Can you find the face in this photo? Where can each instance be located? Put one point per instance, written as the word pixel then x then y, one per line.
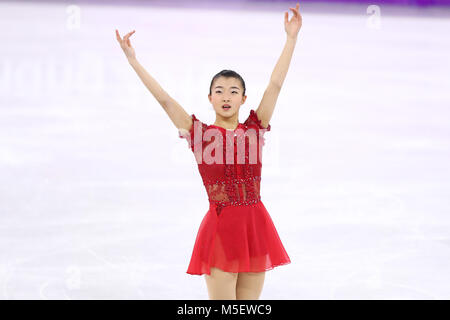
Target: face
pixel 226 91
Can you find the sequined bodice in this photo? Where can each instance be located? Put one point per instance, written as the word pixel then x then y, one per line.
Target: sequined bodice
pixel 229 161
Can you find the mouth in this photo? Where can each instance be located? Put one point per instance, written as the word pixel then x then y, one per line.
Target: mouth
pixel 226 106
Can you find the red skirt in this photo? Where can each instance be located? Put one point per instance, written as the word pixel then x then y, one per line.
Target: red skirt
pixel 239 239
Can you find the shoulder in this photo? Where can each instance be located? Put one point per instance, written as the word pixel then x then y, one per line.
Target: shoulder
pixel 253 121
pixel 195 126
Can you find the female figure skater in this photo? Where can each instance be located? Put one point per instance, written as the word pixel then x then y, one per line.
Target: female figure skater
pixel 237 240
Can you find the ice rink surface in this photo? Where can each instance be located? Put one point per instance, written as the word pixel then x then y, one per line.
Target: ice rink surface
pixel 100 198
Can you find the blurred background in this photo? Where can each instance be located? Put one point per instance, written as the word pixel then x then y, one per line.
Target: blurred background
pixel 100 198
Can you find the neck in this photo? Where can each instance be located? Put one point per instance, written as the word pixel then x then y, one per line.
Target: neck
pixel 227 123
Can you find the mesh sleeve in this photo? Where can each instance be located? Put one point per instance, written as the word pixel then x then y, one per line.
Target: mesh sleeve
pixel 189 134
pixel 253 120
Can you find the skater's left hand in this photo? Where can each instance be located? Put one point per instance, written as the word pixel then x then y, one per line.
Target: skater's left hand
pixel 293 26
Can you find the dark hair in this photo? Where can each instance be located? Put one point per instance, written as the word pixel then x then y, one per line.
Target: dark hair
pixel 228 74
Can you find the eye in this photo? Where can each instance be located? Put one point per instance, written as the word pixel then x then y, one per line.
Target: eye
pixel 218 91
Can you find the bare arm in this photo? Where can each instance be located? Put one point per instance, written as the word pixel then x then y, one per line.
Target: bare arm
pixel 269 99
pixel 176 113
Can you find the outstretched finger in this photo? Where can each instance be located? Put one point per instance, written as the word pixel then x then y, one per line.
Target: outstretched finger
pixel 128 35
pixel 296 13
pixel 118 36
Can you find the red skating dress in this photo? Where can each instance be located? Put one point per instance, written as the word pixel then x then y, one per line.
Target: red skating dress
pixel 237 233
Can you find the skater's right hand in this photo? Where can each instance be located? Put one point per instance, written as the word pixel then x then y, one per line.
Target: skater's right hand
pixel 126 45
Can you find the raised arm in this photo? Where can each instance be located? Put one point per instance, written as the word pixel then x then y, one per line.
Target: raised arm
pixel 269 99
pixel 179 116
